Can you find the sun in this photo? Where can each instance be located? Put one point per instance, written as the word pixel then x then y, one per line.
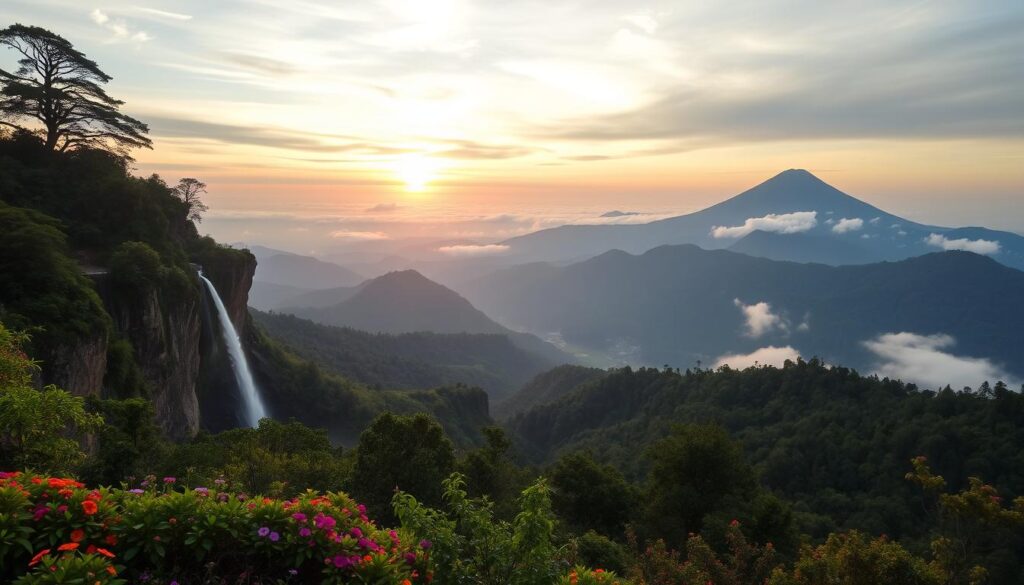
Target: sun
pixel 416 171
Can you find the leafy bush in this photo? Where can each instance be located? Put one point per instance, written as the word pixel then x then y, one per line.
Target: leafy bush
pixel 163 533
pixel 136 266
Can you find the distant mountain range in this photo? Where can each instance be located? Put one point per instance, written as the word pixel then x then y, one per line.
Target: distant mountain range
pixel 681 304
pixel 792 216
pixel 281 275
pixel 408 302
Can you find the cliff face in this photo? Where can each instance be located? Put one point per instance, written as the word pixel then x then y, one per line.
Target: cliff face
pixel 78 367
pixel 231 273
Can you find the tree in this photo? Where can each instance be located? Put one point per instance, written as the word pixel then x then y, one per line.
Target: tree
pixel 408 453
pixel 588 495
pixel 695 471
pixel 190 191
pixel 58 87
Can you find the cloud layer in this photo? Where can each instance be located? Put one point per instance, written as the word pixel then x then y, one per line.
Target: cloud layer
pixel 474 250
pixel 765 356
pixel 926 360
pixel 785 223
pixel 986 247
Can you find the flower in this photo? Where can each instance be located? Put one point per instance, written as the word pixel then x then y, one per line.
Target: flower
pixel 202 491
pixel 39 555
pixel 274 537
pixel 77 535
pixel 425 544
pixel 89 507
pixel 304 532
pixel 111 539
pixel 105 553
pixel 67 546
pixel 136 491
pixel 355 532
pixel 169 480
pixel 410 558
pixel 263 531
pixel 299 517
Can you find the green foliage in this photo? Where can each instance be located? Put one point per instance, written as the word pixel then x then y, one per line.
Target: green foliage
pixel 490 471
pixel 853 559
pixel 468 545
pixel 591 496
pixel 696 471
pixel 129 444
pixel 832 442
pixel 274 458
pixel 596 550
pixel 72 568
pixel 39 429
pixel 49 292
pixel 408 453
pixel 741 563
pixel 135 267
pixel 123 378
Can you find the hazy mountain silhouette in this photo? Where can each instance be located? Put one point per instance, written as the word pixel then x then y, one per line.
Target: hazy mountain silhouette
pixel 869 235
pixel 678 304
pixel 408 302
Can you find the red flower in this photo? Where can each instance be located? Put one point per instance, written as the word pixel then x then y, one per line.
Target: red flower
pixel 77 535
pixel 105 553
pixel 68 546
pixel 112 571
pixel 89 507
pixel 39 555
pixel 110 539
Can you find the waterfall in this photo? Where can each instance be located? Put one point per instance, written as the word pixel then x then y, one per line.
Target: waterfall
pixel 252 403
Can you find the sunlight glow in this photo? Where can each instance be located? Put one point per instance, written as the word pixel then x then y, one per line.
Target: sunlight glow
pixel 416 171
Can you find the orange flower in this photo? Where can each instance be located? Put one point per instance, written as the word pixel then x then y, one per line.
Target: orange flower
pixel 105 553
pixel 39 555
pixel 111 570
pixel 77 535
pixel 89 507
pixel 111 539
pixel 68 546
pixel 406 582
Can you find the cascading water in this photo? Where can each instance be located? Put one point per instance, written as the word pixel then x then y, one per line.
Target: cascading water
pixel 252 403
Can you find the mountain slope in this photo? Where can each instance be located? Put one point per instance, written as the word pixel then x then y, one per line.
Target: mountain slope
pixel 681 304
pixel 868 234
pixel 408 302
pixel 547 387
pixel 301 272
pixel 409 360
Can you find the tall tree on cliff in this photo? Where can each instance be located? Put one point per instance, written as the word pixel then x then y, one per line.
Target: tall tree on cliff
pixel 58 91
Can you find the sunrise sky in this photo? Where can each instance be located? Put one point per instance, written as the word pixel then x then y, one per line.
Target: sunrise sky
pixel 479 119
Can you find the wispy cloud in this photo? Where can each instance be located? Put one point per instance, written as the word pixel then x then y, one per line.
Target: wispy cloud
pixel 926 360
pixel 786 223
pixel 474 250
pixel 164 14
pixel 359 235
pixel 118 27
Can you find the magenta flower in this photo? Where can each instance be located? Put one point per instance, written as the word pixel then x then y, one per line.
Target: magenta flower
pixel 169 480
pixel 304 532
pixel 355 532
pixel 425 544
pixel 324 522
pixel 410 558
pixel 263 531
pixel 274 537
pixel 299 517
pixel 136 491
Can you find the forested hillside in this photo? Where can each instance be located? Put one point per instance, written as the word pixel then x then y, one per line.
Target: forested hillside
pixel 409 360
pixel 833 442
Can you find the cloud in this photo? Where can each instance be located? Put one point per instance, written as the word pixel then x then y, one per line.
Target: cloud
pixel 786 223
pixel 977 246
pixel 165 14
pixel 474 250
pixel 761 319
pixel 766 356
pixel 359 236
pixel 118 27
pixel 926 361
pixel 848 225
pixel 383 208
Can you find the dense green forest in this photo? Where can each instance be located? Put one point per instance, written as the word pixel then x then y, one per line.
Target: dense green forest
pixel 409 360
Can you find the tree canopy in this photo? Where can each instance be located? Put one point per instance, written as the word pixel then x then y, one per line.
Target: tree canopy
pixel 58 90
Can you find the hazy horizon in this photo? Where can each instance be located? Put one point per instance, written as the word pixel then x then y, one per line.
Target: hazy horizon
pixel 309 111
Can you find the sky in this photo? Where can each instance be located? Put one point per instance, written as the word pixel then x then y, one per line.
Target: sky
pixel 315 121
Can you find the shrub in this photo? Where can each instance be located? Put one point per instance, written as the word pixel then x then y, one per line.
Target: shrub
pixel 164 533
pixel 136 266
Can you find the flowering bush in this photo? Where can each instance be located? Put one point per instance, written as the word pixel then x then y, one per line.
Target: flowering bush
pixel 585 576
pixel 55 530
